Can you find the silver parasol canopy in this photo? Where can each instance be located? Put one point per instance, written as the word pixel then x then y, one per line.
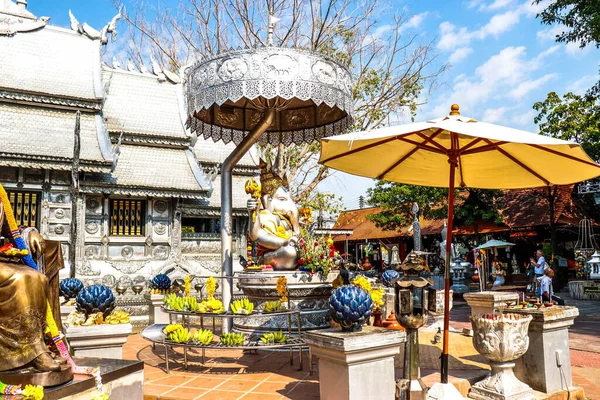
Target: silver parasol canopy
pixel 270 94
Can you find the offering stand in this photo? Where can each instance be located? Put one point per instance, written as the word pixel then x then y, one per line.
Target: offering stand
pixel 154 333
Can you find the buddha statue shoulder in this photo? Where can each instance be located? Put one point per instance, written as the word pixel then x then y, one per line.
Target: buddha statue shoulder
pixel 274 221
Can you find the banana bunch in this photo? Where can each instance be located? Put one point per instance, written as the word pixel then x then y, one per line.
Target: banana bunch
pixel 273 306
pixel 169 300
pixel 274 337
pixel 180 335
pixel 94 319
pixel 190 304
pixel 211 306
pixel 117 317
pixel 242 306
pixel 202 336
pixel 172 328
pixel 232 339
pixel 252 188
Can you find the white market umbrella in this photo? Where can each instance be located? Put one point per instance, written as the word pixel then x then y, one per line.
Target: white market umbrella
pixel 458 151
pixel 490 244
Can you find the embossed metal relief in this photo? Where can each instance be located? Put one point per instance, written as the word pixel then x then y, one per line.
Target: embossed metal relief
pixel 109 280
pixel 92 251
pixel 93 204
pixel 160 252
pixel 160 228
pixel 92 227
pixel 214 86
pixel 59 213
pixel 160 206
pixel 127 252
pixel 124 281
pixel 59 229
pixel 128 267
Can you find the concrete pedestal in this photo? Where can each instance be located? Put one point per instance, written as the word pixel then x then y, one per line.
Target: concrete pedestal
pixel 100 341
pixel 155 314
pixel 548 339
pixel 584 290
pixel 489 302
pixel 356 365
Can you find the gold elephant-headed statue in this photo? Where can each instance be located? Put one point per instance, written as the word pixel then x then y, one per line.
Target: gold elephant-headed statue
pixel 274 222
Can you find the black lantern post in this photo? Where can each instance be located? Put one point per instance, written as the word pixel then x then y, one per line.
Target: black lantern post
pixel 412 295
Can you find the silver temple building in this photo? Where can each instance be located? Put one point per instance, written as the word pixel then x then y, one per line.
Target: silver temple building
pixel 150 198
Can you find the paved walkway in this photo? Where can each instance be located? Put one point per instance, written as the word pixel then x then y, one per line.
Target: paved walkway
pixel 232 374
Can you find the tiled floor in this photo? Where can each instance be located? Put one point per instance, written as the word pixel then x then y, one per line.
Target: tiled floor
pixel 232 374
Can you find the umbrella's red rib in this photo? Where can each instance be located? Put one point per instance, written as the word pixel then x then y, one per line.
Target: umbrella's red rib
pixel 367 147
pixel 520 164
pixel 490 146
pixel 422 146
pixel 558 153
pixel 410 153
pixel 470 144
pixel 429 139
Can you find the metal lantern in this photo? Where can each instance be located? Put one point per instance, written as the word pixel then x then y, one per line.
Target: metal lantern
pixel 412 301
pixel 593 266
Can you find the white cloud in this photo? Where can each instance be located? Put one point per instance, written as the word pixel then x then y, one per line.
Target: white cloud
pixel 453 37
pixel 460 54
pixel 415 21
pixel 581 85
pixel 525 119
pixel 505 77
pixel 573 49
pixel 529 85
pixel 549 33
pixel 493 115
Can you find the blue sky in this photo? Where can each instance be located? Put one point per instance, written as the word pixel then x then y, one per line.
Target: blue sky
pixel 503 60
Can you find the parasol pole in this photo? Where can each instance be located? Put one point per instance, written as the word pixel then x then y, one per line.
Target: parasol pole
pixel 227 207
pixel 453 161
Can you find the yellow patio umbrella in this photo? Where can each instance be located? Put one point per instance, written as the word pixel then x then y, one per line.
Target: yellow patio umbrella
pixel 458 151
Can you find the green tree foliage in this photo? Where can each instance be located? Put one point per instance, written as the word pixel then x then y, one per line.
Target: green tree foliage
pixel 572 117
pixel 396 200
pixel 581 20
pixel 580 17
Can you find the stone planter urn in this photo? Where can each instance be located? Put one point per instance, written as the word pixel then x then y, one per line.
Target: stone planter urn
pixel 502 339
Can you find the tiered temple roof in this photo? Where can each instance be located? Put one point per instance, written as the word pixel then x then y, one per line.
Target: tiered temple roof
pixel 133 135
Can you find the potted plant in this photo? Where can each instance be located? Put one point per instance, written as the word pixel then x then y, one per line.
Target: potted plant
pixel 367 266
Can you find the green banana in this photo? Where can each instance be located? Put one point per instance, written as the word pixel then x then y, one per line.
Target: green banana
pixel 242 306
pixel 202 336
pixel 273 306
pixel 274 337
pixel 232 339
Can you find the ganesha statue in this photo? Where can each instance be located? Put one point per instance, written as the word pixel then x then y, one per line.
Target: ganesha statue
pixel 274 220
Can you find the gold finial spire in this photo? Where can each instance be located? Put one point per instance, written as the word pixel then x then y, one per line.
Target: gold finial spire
pixel 454 109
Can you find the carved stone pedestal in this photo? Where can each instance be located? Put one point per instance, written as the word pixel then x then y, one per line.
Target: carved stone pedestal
pixel 307 292
pixel 548 347
pixel 356 365
pixel 156 314
pixel 503 377
pixel 489 302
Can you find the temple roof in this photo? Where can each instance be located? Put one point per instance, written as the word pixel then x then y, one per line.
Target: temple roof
pixel 151 171
pixel 209 152
pixel 51 61
pixel 43 138
pixel 140 104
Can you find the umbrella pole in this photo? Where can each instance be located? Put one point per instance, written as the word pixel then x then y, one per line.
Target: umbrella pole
pixel 444 369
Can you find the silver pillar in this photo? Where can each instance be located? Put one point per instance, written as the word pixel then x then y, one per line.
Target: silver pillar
pixel 227 207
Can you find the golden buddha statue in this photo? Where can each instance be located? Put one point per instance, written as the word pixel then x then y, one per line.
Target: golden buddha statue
pixel 23 305
pixel 275 225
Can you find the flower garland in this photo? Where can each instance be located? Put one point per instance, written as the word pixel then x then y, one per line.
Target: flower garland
pixel 51 324
pixel 211 287
pixel 187 285
pixel 282 288
pixel 30 392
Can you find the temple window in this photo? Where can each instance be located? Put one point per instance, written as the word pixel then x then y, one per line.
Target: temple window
pixel 127 217
pixel 25 206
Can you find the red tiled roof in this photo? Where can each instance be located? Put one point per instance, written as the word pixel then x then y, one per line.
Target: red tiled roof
pixel 523 208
